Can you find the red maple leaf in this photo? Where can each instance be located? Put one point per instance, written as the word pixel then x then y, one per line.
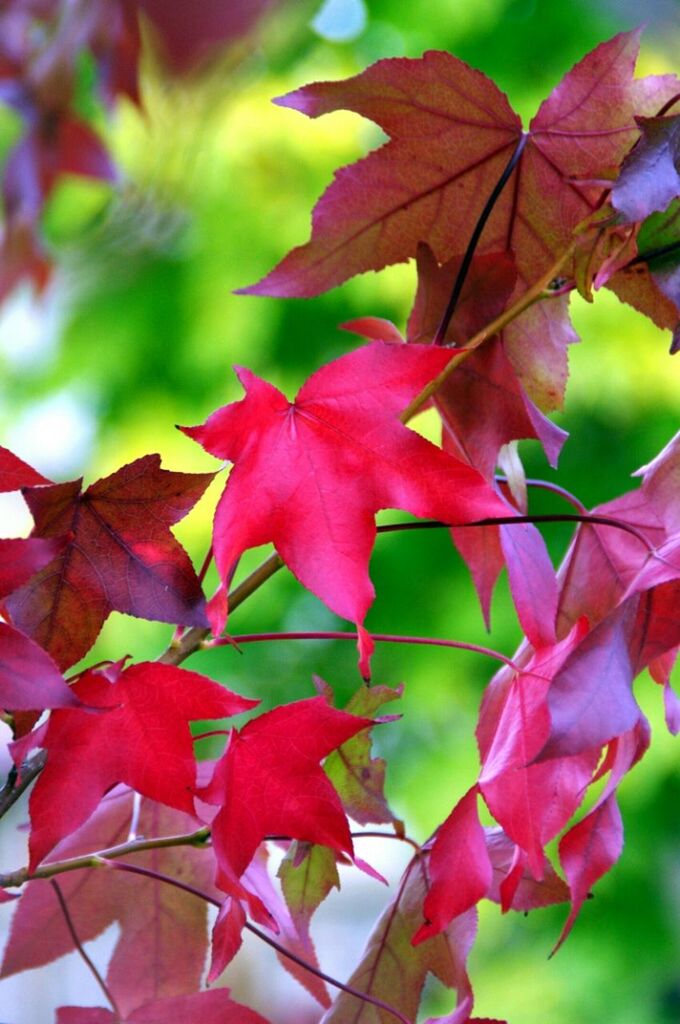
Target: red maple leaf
pixel 309 475
pixel 452 131
pixel 142 739
pixel 269 781
pixel 121 557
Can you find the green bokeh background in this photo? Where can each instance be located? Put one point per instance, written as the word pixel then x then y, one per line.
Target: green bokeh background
pixel 140 331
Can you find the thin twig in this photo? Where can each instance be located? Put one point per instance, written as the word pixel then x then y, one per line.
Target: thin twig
pixel 79 946
pixel 389 638
pixel 100 857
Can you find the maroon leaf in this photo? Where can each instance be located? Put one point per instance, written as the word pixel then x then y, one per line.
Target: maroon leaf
pixel 587 852
pixel 269 781
pixel 650 175
pixel 143 739
pixel 29 679
pixel 451 134
pixel 20 559
pixel 460 868
pixel 121 557
pixel 309 475
pixel 148 962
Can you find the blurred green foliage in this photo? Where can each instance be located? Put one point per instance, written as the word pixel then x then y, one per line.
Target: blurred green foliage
pixel 141 328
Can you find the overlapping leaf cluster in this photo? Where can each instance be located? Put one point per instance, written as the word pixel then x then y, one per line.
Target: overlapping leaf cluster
pixel 587 196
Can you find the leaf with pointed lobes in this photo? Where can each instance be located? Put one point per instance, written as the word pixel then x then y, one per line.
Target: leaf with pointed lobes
pixel 451 134
pixel 482 404
pixel 143 740
pixel 392 970
pixel 533 583
pixel 310 475
pixel 531 801
pixel 29 679
pixel 121 556
pixel 358 778
pixel 185 43
pixel 650 174
pixel 269 782
pixel 147 962
pixel 22 558
pixel 215 1007
pixel 587 852
pixel 525 893
pixel 15 473
pixel 460 868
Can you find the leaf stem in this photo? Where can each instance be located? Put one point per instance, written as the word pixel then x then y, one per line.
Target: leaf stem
pixel 474 240
pixel 390 638
pixel 79 946
pixel 548 485
pixel 530 296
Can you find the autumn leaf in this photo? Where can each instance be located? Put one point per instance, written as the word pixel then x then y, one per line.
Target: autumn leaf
pixel 527 893
pixel 451 133
pixel 459 866
pixel 147 962
pixel 142 739
pixel 269 782
pixel 121 557
pixel 22 558
pixel 309 475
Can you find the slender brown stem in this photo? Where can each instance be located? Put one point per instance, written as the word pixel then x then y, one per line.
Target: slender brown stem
pixel 100 857
pixel 79 946
pixel 530 296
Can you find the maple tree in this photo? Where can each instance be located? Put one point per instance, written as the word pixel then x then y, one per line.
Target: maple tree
pixel 503 224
